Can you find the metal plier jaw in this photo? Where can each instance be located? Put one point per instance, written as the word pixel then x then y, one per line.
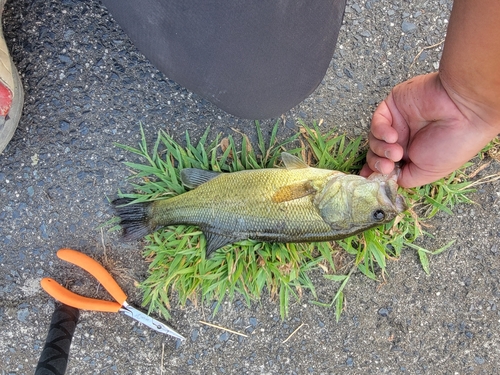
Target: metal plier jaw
pixel 145 319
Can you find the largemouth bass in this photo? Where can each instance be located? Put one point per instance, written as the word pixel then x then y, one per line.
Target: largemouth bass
pixel 297 203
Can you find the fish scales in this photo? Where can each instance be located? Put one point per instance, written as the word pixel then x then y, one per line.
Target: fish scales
pixel 243 203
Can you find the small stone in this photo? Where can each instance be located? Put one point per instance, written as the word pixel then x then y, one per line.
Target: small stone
pixel 178 343
pixel 194 335
pixel 34 160
pixel 290 124
pixel 423 56
pixel 348 73
pixel 467 281
pixel 68 34
pixel 357 8
pixel 23 314
pixel 31 191
pixel 408 27
pixel 65 59
pixel 479 360
pixel 43 229
pixel 349 361
pixel 224 336
pixel 253 322
pixel 383 312
pixel 64 126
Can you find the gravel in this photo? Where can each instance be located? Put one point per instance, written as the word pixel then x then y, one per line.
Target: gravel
pixel 87 87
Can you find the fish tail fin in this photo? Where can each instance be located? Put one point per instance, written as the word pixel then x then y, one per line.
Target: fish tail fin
pixel 134 218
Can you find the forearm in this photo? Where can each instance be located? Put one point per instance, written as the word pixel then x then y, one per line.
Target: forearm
pixel 470 66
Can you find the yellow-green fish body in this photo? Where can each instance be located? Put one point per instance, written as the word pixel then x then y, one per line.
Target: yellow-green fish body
pixel 294 204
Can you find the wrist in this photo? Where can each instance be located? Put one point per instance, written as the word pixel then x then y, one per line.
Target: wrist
pixel 481 111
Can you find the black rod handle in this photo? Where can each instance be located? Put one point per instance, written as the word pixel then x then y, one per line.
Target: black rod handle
pixel 54 358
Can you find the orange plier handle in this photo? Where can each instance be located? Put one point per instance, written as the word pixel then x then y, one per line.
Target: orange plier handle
pixel 69 298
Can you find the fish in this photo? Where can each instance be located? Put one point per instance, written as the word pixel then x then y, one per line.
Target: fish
pixel 297 203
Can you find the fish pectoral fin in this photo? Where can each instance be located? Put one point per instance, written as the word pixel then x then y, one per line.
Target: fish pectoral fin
pixel 215 241
pixel 294 191
pixel 292 162
pixel 194 177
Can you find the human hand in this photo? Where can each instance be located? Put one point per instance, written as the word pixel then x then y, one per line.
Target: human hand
pixel 421 125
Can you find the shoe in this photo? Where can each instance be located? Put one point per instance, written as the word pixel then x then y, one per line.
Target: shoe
pixel 11 91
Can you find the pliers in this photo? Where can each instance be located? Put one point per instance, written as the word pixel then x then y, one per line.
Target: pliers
pixel 69 298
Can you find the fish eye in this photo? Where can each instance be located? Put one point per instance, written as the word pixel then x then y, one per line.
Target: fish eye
pixel 378 215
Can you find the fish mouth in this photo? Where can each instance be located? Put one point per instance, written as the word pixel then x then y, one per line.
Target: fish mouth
pixel 389 192
pixel 400 204
pixel 389 189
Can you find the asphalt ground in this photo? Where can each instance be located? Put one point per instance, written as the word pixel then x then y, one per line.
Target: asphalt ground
pixel 87 87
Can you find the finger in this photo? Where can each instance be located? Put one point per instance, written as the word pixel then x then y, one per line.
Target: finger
pixel 392 151
pixel 378 164
pixel 381 124
pixel 412 176
pixel 365 171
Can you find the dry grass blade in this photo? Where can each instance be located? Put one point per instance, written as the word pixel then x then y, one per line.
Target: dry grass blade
pixel 222 328
pixel 224 145
pixel 248 143
pixel 293 333
pixel 485 180
pixel 422 51
pixel 494 153
pixel 476 172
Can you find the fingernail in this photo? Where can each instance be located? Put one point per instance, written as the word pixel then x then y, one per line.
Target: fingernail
pixel 387 154
pixel 377 166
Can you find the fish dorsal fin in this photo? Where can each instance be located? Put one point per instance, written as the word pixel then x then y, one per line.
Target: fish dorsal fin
pixel 292 162
pixel 193 177
pixel 215 241
pixel 294 191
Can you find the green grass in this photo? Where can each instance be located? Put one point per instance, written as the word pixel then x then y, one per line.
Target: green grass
pixel 251 269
